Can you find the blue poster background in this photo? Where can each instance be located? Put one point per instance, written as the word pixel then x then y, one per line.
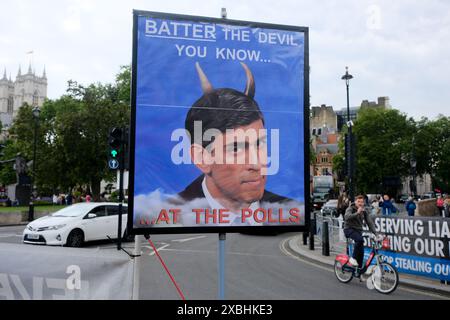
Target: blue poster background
pixel 430 267
pixel 168 85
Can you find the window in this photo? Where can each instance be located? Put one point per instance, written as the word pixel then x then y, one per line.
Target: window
pixel 99 211
pixel 10 104
pixel 313 132
pixel 114 210
pixel 319 131
pixel 35 98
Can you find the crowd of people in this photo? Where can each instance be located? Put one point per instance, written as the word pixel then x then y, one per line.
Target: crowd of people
pixel 69 199
pixel 385 205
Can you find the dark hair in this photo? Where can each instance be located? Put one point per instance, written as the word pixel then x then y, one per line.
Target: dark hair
pixel 222 109
pixel 359 197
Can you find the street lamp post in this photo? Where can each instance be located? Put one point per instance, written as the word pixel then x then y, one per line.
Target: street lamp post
pixel 36 113
pixel 347 77
pixel 413 164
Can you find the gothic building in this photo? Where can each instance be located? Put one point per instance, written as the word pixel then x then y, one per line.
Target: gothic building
pixel 27 88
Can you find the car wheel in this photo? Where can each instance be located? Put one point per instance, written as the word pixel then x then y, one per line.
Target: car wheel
pixel 75 238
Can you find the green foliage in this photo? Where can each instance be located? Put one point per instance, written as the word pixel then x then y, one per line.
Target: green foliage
pixel 339 159
pixel 432 150
pixel 387 141
pixel 383 140
pixel 72 135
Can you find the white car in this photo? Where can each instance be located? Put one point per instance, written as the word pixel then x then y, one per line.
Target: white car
pixel 76 224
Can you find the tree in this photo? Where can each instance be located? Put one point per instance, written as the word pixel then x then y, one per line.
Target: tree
pixel 72 135
pixel 383 148
pixel 432 150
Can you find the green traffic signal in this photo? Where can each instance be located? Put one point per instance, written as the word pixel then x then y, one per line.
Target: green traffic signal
pixel 114 153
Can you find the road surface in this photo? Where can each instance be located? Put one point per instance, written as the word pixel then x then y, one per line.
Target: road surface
pixel 257 268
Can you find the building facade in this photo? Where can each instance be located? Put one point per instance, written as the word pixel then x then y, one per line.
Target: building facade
pixel 322 117
pixel 26 88
pixel 382 103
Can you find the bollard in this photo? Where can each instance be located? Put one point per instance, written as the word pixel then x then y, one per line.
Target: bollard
pixel 305 238
pixel 325 239
pixel 31 212
pixel 311 234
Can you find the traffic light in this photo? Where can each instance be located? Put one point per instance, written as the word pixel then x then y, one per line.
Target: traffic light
pixel 118 157
pixel 116 146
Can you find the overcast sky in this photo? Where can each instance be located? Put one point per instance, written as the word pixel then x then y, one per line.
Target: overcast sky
pixel 399 49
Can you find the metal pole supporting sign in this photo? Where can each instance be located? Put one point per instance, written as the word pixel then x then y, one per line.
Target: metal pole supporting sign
pixel 136 267
pixel 222 236
pixel 221 266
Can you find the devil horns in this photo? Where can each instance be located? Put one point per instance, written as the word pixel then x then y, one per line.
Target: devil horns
pixel 208 88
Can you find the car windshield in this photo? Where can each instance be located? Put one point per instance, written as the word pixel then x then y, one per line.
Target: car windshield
pixel 321 190
pixel 331 204
pixel 71 211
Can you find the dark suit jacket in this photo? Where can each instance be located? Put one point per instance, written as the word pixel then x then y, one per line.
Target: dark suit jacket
pixel 195 191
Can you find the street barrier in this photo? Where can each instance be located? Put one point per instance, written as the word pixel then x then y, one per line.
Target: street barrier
pixel 54 273
pixel 337 240
pixel 325 239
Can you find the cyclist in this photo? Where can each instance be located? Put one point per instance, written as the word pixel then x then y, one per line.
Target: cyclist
pixel 356 216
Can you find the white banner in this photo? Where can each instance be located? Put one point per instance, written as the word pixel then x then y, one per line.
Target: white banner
pixel 56 273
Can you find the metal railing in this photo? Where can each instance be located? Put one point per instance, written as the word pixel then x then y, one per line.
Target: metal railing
pixel 337 240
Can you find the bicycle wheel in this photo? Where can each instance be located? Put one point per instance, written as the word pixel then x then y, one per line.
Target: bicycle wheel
pixel 385 278
pixel 341 274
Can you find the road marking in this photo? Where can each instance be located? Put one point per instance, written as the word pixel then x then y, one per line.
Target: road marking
pixel 188 239
pixel 10 235
pixel 331 269
pixel 157 249
pixel 286 252
pixel 228 253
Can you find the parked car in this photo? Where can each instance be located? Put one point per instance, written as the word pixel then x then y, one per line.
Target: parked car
pixel 403 198
pixel 330 208
pixel 76 224
pixel 428 195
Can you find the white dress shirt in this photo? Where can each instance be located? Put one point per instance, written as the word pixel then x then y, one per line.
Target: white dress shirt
pixel 234 218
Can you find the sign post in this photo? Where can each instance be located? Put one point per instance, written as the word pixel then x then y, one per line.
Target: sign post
pixel 222 238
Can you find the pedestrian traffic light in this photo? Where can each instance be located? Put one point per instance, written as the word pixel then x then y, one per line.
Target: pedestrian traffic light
pixel 116 147
pixel 118 157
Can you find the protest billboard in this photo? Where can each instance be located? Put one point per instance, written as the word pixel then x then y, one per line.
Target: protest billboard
pixel 219 136
pixel 418 245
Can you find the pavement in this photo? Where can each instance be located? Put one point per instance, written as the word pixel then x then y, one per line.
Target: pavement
pixel 296 247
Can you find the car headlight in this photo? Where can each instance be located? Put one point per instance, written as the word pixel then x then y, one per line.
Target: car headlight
pixel 57 227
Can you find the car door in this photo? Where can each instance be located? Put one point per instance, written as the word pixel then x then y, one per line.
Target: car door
pixel 96 228
pixel 113 212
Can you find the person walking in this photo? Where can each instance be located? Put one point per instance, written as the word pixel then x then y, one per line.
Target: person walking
pixel 69 199
pixel 343 203
pixel 386 205
pixel 410 207
pixel 375 207
pixel 447 206
pixel 55 199
pixel 440 206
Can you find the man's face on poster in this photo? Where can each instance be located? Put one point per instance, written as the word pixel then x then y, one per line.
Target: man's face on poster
pixel 236 163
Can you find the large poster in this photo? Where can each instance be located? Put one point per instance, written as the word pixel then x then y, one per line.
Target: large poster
pixel 219 129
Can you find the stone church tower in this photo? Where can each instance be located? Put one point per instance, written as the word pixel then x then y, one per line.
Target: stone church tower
pixel 27 88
